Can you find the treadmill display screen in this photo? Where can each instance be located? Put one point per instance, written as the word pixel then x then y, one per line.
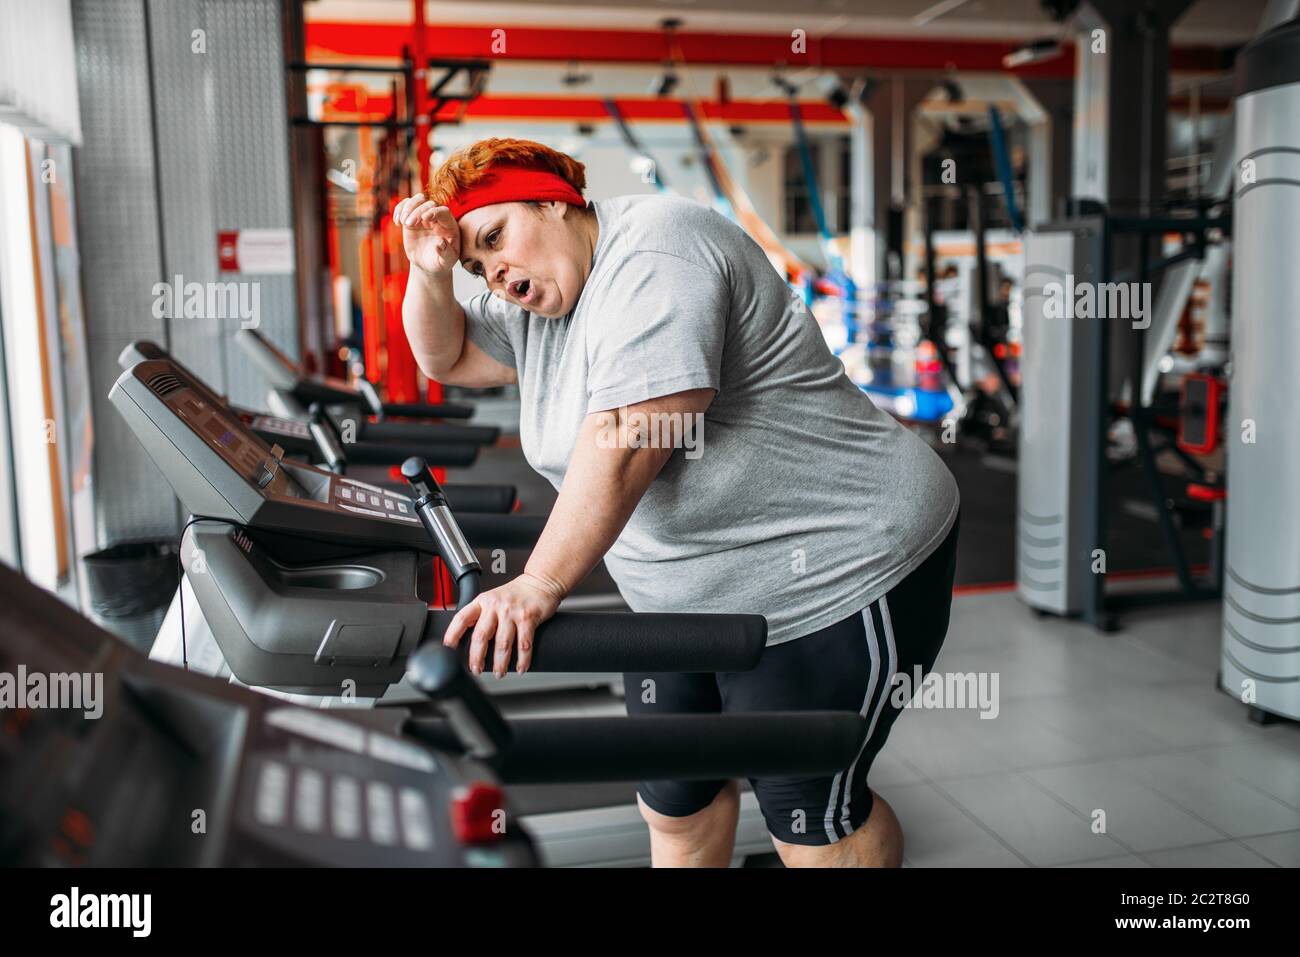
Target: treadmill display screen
pixel 249 455
pixel 242 449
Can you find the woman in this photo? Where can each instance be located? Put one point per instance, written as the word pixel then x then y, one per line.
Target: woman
pixel 784 491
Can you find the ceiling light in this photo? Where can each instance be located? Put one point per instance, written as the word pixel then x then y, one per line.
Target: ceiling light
pixel 1034 52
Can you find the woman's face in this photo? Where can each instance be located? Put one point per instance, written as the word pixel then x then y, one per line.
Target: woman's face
pixel 535 256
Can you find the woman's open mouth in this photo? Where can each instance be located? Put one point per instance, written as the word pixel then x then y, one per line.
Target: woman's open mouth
pixel 522 291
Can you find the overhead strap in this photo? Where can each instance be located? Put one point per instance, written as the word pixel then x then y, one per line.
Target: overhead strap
pixel 809 170
pixel 998 143
pixel 633 144
pixel 736 202
pixel 837 281
pixel 708 158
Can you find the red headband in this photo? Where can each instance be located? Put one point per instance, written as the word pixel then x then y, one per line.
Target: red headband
pixel 514 184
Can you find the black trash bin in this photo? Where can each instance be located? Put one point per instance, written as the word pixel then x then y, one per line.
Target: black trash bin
pixel 130 586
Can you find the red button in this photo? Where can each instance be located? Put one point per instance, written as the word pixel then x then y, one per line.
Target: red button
pixel 478 813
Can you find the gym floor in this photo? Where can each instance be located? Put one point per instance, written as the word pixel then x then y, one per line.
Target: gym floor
pixel 1129 724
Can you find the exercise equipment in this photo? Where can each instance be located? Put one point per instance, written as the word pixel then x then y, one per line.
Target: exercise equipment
pixel 191 634
pixel 316 440
pixel 1260 662
pixel 1068 409
pixel 285 786
pixel 311 591
pixel 1200 413
pixel 358 414
pixel 970 331
pixel 277 785
pixel 285 515
pixel 901 372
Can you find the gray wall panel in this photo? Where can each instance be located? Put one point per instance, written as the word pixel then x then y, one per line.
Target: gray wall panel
pixel 182 92
pixel 251 159
pixel 221 163
pixel 120 254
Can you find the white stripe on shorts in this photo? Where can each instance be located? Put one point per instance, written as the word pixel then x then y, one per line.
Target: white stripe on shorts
pixel 892 661
pixel 869 629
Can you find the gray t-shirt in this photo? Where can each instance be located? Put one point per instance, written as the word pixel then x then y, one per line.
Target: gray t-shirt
pixel 801 501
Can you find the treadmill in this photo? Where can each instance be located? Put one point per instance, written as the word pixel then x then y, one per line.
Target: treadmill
pixel 108 769
pixel 316 440
pixel 357 411
pixel 486 532
pixel 310 582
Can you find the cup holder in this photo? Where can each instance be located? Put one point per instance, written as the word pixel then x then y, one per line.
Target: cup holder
pixel 333 577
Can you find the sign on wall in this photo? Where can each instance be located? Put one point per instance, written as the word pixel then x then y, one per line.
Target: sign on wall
pixel 261 251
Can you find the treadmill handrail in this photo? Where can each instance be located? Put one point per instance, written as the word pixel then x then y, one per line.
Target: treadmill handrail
pixel 572 750
pixel 603 641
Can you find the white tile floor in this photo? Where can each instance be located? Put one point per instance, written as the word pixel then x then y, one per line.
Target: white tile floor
pixel 1126 725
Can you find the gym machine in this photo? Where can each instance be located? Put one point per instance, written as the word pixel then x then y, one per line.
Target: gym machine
pixel 110 773
pixel 185 634
pixel 1260 663
pixel 312 589
pixel 1067 410
pixel 358 414
pixel 316 440
pixel 982 345
pixel 182 635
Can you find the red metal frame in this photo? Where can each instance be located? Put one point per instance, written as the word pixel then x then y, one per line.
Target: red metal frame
pixel 349 40
pixel 424 153
pixel 345 103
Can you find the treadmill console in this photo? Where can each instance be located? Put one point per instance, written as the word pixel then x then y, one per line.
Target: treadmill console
pixel 221 468
pixel 242 450
pixel 275 425
pixel 294 434
pixel 109 759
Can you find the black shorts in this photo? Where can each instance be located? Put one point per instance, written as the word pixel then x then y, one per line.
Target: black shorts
pixel 847 666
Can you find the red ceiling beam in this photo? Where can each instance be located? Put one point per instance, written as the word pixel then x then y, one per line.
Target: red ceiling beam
pixel 345 104
pixel 347 40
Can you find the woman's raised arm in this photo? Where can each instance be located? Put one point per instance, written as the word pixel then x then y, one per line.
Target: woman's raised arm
pixel 433 319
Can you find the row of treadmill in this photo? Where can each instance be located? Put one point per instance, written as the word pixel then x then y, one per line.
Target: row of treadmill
pixel 298 706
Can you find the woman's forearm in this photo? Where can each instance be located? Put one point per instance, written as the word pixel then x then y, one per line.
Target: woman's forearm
pixel 600 491
pixel 603 483
pixel 602 486
pixel 434 321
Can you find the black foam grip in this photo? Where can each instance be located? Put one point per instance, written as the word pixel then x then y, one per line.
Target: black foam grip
pixel 392 453
pixel 597 641
pixel 670 746
pixel 486 530
pixel 495 499
pixel 429 432
pixel 308 391
pixel 422 410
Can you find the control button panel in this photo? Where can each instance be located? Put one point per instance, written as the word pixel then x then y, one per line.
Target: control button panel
pixel 368 500
pixel 275 425
pixel 322 788
pixel 296 797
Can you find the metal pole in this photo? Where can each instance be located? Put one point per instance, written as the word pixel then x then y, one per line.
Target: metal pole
pixel 1138 415
pixel 1094 607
